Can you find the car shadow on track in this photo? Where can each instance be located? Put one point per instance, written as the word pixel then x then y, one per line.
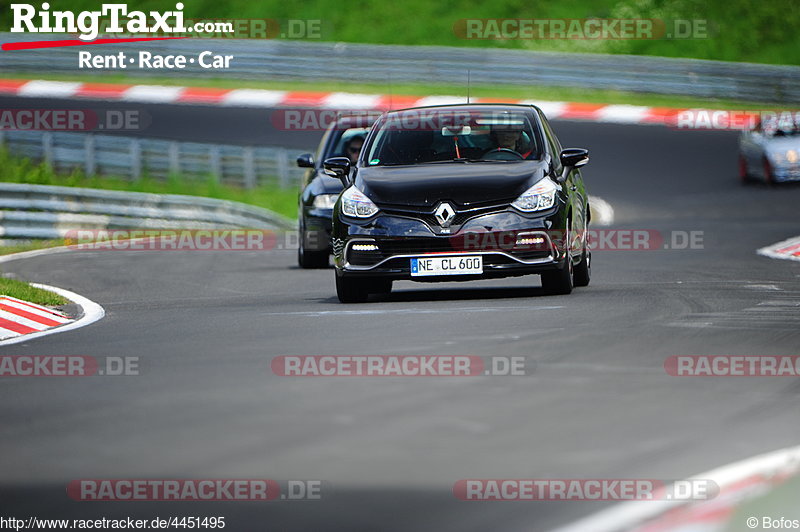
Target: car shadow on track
pixel 454 294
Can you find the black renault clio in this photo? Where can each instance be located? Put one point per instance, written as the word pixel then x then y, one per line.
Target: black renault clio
pixel 457 193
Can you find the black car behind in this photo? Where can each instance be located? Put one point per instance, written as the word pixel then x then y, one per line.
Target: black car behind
pixel 320 191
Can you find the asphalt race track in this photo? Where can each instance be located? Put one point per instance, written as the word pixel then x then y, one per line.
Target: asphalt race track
pixel 599 404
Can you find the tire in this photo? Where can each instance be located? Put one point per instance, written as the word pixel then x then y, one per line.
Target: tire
pixel 351 290
pixel 582 273
pixel 310 259
pixel 744 177
pixel 558 282
pixel 768 178
pixel 381 286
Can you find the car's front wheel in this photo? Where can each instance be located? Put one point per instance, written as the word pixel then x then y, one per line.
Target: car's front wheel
pixel 583 270
pixel 381 286
pixel 310 259
pixel 559 281
pixel 351 290
pixel 768 173
pixel 744 175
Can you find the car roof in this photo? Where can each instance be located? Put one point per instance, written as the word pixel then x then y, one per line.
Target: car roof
pixel 476 106
pixel 360 120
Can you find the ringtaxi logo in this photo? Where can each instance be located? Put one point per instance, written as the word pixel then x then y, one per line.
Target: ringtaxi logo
pixel 87 23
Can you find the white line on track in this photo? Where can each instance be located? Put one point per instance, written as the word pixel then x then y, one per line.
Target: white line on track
pixel 91 313
pixel 629 514
pixel 787 249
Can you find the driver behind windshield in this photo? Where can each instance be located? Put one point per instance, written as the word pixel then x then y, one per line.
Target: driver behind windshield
pixel 510 137
pixel 352 148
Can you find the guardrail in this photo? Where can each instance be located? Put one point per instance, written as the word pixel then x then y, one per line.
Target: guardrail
pixel 131 158
pixel 299 60
pixel 45 211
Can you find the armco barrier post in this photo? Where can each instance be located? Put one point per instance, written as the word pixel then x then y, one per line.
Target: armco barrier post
pixel 136 159
pixel 215 163
pixel 174 158
pixel 89 155
pixel 283 167
pixel 248 163
pixel 47 148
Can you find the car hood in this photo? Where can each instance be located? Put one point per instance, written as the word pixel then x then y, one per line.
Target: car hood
pixel 782 144
pixel 466 184
pixel 328 184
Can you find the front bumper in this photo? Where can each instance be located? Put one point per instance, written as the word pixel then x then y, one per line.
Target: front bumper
pixel 785 173
pixel 509 243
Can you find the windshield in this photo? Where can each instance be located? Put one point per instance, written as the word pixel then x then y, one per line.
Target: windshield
pixel 780 124
pixel 339 146
pixel 426 136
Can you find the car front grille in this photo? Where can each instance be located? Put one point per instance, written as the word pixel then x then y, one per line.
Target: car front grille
pixel 427 216
pixel 476 243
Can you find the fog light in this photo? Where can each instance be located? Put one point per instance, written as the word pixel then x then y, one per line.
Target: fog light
pixel 364 247
pixel 529 240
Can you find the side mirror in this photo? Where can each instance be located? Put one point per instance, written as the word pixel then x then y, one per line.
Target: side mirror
pixel 305 161
pixel 574 157
pixel 338 167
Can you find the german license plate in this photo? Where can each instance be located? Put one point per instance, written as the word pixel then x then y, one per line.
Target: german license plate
pixel 466 265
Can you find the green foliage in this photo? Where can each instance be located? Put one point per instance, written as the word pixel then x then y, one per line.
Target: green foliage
pixel 24 291
pixel 740 30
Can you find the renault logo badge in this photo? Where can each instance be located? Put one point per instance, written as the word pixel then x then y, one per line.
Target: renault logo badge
pixel 444 214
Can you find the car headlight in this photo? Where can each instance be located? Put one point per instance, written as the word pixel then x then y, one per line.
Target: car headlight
pixel 325 201
pixel 356 204
pixel 539 197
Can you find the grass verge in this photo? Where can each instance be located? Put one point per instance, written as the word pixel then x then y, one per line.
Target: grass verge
pixel 20 170
pixel 26 292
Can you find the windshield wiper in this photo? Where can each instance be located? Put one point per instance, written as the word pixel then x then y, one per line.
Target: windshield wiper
pixel 494 160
